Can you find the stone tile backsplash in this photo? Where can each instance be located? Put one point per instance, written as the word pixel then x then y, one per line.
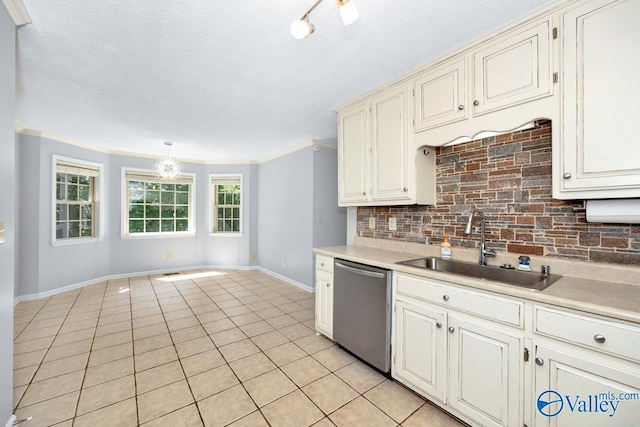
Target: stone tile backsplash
pixel 508 177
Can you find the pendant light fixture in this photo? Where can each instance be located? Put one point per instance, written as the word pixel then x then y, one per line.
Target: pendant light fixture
pixel 303 28
pixel 167 170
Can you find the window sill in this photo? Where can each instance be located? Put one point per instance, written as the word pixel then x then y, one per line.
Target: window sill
pixel 142 236
pixel 75 241
pixel 225 234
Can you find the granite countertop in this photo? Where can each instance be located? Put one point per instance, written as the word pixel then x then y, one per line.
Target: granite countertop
pixel 611 299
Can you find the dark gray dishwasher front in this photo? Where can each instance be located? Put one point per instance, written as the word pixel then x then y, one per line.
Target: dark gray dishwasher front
pixel 362 312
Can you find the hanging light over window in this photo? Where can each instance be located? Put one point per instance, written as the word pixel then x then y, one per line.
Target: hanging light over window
pixel 167 170
pixel 303 28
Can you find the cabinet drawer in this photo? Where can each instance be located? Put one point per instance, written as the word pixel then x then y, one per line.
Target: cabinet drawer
pixel 598 334
pixel 324 263
pixel 478 303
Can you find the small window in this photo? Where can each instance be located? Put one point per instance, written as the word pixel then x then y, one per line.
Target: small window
pixel 154 207
pixel 76 197
pixel 226 195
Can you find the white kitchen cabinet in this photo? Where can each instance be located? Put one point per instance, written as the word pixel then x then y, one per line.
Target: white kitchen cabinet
pixel 454 345
pixel 596 156
pixel 485 372
pixel 420 347
pixel 324 295
pixel 353 155
pixel 580 359
pixel 573 388
pixel 508 70
pixel 439 94
pixel 377 164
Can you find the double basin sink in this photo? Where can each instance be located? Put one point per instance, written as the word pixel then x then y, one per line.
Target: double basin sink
pixel 523 279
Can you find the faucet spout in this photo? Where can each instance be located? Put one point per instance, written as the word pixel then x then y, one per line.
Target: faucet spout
pixel 476 215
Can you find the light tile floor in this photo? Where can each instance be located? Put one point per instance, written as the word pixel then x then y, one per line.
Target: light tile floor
pixel 199 348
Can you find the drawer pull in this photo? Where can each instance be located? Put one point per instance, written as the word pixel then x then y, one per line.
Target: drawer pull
pixel 539 361
pixel 438 325
pixel 328 284
pixel 445 297
pixel 599 338
pixel 322 265
pixel 452 329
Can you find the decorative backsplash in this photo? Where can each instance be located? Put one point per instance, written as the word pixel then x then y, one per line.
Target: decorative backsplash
pixel 508 177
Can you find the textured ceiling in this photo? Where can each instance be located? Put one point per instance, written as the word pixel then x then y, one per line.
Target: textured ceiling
pixel 223 80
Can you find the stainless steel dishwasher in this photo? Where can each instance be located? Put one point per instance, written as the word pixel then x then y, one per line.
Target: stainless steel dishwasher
pixel 362 312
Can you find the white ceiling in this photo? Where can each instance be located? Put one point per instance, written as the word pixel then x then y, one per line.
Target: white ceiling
pixel 223 80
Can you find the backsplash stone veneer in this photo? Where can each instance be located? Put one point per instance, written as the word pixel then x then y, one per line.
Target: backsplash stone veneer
pixel 508 177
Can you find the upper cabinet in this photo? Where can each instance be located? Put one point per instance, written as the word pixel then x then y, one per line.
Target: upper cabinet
pixel 596 155
pixel 377 164
pixel 492 86
pixel 514 69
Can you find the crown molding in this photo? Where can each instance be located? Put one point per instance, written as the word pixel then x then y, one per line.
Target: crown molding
pixel 19 128
pixel 18 12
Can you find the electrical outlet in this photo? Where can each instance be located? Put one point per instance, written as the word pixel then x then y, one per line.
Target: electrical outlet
pixel 1 232
pixel 169 256
pixel 392 224
pixel 372 222
pixel 253 256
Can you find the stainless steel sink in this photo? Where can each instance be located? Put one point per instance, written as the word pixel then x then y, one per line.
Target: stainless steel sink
pixel 524 279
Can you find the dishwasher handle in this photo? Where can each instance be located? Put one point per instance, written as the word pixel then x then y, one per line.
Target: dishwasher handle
pixel 359 271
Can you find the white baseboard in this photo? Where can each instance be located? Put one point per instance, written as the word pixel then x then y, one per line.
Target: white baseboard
pixel 286 279
pixel 11 421
pixel 153 272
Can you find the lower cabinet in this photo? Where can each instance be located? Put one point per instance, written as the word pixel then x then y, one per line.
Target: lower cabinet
pixel 469 364
pixel 324 295
pixel 581 388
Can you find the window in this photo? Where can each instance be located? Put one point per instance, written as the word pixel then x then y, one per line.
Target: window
pixel 154 207
pixel 76 188
pixel 226 196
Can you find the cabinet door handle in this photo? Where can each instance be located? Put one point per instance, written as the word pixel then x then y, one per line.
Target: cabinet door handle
pixel 364 193
pixel 438 325
pixel 566 175
pixel 599 338
pixel 445 297
pixel 452 329
pixel 405 189
pixel 322 264
pixel 328 284
pixel 539 361
pixel 476 102
pixel 460 107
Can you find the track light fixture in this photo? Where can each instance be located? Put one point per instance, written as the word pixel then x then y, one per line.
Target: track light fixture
pixel 302 27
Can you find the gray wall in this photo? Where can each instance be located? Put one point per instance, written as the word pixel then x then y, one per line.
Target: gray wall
pixel 43 268
pixel 298 210
pixel 7 209
pixel 285 215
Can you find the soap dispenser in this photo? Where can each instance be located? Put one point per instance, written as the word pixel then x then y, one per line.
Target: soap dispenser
pixel 445 248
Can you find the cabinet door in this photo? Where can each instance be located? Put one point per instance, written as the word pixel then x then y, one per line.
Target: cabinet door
pixel 324 303
pixel 601 88
pixel 420 348
pixel 485 373
pixel 514 70
pixel 353 155
pixel 580 389
pixel 391 145
pixel 440 95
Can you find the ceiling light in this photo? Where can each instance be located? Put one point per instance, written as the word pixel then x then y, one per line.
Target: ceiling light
pixel 348 11
pixel 302 27
pixel 167 170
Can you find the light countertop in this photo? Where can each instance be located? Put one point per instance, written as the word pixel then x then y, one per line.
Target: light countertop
pixel 611 299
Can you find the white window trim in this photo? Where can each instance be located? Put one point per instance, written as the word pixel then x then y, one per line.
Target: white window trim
pixel 210 204
pixel 98 191
pixel 124 212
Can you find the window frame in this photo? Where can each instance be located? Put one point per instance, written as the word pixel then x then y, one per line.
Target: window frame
pixel 124 201
pixel 212 205
pixel 98 196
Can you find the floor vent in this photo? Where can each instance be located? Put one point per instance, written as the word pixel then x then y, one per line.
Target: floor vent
pixel 171 274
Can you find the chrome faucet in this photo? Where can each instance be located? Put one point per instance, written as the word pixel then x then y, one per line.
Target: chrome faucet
pixel 484 252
